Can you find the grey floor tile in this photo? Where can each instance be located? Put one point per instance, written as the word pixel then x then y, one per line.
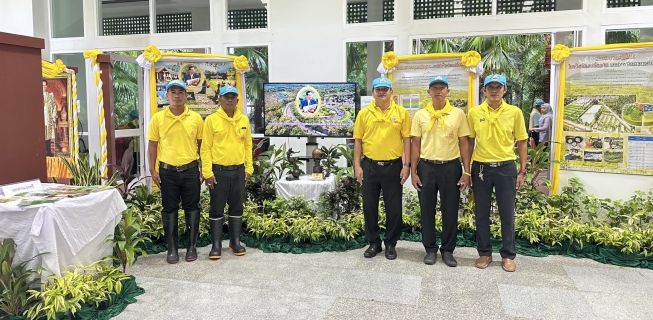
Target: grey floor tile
pixel 544 303
pixel 272 304
pixel 610 280
pixel 348 308
pixel 620 306
pixel 337 282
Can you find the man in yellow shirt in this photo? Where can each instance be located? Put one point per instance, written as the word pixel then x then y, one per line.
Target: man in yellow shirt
pixel 439 139
pixel 174 137
pixel 226 165
pixel 382 134
pixel 496 125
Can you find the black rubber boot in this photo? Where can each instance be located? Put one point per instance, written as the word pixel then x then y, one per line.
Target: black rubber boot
pixel 170 227
pixel 192 229
pixel 216 238
pixel 235 224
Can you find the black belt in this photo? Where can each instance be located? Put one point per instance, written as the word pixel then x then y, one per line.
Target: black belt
pixel 227 168
pixel 496 164
pixel 438 161
pixel 187 166
pixel 384 162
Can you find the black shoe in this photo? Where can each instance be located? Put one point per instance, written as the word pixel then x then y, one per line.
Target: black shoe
pixel 448 259
pixel 372 251
pixel 430 258
pixel 390 252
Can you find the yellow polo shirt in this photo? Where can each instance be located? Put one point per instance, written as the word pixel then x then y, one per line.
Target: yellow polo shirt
pixel 176 136
pixel 498 147
pixel 226 141
pixel 382 132
pixel 440 144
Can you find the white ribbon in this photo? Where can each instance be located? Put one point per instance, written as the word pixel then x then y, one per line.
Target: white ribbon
pixel 478 69
pixel 144 62
pixel 383 71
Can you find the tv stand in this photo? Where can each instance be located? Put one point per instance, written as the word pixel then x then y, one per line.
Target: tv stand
pixel 311 144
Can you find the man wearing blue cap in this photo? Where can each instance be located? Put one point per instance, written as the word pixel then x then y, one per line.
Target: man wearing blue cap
pixel 496 125
pixel 382 135
pixel 226 165
pixel 439 139
pixel 174 137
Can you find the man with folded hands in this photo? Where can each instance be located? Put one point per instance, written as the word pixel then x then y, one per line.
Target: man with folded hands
pixel 496 126
pixel 174 138
pixel 439 140
pixel 226 165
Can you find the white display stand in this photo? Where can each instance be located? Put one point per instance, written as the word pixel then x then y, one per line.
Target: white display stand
pixel 65 232
pixel 305 186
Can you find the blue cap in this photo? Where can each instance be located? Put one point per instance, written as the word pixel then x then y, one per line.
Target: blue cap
pixel 134 113
pixel 381 82
pixel 498 78
pixel 228 89
pixel 539 102
pixel 439 79
pixel 176 83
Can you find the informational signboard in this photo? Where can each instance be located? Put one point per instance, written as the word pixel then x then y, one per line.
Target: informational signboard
pixel 410 82
pixel 608 111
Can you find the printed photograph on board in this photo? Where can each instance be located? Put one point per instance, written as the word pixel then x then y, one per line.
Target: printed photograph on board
pixel 57 115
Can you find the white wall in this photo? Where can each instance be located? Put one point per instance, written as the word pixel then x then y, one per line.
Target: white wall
pixel 312 47
pixel 16 17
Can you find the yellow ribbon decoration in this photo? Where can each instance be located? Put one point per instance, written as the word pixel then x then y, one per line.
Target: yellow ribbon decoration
pixel 470 59
pixel 92 54
pixel 493 119
pixel 389 60
pixel 51 70
pixel 438 114
pixel 152 53
pixel 560 52
pixel 241 64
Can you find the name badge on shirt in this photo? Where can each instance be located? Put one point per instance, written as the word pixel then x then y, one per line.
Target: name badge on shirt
pixel 393 118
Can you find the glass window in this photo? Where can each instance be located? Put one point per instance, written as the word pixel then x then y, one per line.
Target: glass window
pixel 246 14
pixel 521 6
pixel 67 18
pixel 123 17
pixel 361 11
pixel 178 16
pixel 629 36
pixel 628 3
pixel 77 60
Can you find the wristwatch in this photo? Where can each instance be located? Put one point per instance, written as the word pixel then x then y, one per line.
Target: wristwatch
pixel 407 164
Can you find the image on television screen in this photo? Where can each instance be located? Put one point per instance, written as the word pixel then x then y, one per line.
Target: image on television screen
pixel 310 109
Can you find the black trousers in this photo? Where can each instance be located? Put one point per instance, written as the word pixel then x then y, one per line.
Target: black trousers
pixel 375 179
pixel 536 137
pixel 230 189
pixel 502 179
pixel 179 187
pixel 442 178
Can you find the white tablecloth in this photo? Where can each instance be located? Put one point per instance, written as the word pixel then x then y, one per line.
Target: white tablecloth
pixel 69 231
pixel 305 186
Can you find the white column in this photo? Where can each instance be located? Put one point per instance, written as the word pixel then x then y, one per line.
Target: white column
pixel 16 17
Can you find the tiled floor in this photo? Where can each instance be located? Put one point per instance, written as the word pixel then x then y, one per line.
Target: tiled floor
pixel 348 286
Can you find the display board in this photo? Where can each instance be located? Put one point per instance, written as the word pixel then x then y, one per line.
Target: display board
pixel 203 79
pixel 607 113
pixel 410 76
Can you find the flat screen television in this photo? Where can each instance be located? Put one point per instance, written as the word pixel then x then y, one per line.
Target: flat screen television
pixel 310 109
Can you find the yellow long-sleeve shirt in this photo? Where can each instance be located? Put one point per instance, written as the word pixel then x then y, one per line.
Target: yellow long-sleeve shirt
pixel 226 141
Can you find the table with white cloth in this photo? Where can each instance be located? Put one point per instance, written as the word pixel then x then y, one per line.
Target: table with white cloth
pixel 66 232
pixel 305 186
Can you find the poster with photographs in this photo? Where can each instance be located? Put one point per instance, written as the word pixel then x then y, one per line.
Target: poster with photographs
pixel 58 115
pixel 410 81
pixel 608 112
pixel 203 79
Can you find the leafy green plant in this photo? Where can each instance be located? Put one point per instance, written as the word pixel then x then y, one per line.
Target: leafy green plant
pixel 345 199
pixel 260 186
pixel 81 284
pixel 15 281
pixel 332 155
pixel 126 238
pixel 87 174
pixel 141 197
pixel 348 153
